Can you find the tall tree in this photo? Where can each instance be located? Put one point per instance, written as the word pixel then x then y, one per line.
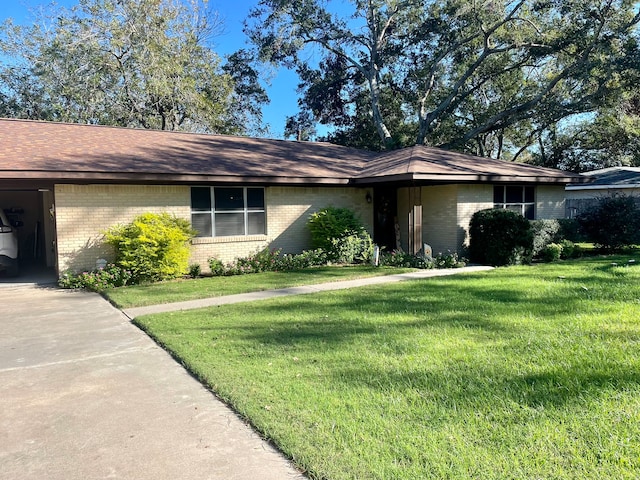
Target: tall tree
pixel 609 138
pixel 466 74
pixel 145 63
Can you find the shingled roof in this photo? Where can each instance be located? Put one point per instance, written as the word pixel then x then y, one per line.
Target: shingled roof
pixel 89 153
pixel 612 177
pixel 430 164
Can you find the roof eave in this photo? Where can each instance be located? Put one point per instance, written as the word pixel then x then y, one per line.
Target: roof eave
pixel 168 179
pixel 602 187
pixel 468 178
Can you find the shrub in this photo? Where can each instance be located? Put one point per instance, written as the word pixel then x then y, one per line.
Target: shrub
pixel 152 247
pixel 354 248
pixel 97 280
pixel 500 237
pixel 217 267
pixel 569 249
pixel 449 260
pixel 398 258
pixel 331 223
pixel 551 252
pixel 570 230
pixel 613 223
pixel 544 233
pixel 194 270
pixel 340 233
pixel 267 261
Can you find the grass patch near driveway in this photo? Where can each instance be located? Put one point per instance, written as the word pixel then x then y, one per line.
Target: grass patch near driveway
pixel 193 289
pixel 521 373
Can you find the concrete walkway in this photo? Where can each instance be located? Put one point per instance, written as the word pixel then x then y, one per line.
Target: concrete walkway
pixel 322 287
pixel 84 395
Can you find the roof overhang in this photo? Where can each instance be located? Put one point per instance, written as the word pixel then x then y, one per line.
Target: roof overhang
pixel 418 178
pixel 602 187
pixel 164 179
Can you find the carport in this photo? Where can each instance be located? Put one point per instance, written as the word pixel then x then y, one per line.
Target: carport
pixel 30 203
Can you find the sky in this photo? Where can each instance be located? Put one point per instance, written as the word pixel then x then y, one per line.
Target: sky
pixel 282 84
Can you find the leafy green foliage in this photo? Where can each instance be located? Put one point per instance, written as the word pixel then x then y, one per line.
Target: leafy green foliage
pixel 609 138
pixel 500 237
pixel 551 252
pixel 131 63
pixel 99 280
pixel 340 233
pixel 544 231
pixel 268 260
pixel 613 223
pixel 398 258
pixel 466 75
pixel 154 246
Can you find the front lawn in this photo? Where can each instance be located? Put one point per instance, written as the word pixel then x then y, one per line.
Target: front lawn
pixel 520 373
pixel 193 289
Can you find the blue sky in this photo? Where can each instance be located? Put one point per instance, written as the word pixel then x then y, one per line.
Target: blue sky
pixel 282 87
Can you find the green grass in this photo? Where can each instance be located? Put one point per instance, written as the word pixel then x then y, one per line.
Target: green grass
pixel 193 289
pixel 519 373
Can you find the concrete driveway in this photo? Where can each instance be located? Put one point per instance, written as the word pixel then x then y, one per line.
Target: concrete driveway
pixel 86 395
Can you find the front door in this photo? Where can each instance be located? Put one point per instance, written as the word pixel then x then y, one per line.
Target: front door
pixel 385 211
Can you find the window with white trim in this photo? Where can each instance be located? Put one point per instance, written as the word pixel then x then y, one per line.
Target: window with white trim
pixel 519 198
pixel 227 211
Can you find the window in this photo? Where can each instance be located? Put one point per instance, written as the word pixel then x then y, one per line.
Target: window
pixel 227 211
pixel 518 198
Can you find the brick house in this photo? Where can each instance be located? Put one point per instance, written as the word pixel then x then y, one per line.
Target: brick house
pixel 70 182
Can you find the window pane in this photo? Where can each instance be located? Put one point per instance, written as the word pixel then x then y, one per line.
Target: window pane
pixel 255 198
pixel 530 212
pixel 256 223
pixel 498 194
pixel 201 223
pixel 200 198
pixel 515 208
pixel 229 224
pixel 529 194
pixel 229 198
pixel 514 194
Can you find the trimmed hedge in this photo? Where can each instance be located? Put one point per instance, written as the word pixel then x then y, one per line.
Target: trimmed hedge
pixel 500 237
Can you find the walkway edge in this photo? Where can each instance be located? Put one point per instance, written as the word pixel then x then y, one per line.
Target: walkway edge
pixel 132 313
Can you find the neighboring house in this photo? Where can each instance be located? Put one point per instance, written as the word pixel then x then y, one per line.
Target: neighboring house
pixel 243 194
pixel 603 183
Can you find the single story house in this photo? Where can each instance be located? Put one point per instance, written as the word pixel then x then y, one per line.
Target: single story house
pixel 602 183
pixel 71 182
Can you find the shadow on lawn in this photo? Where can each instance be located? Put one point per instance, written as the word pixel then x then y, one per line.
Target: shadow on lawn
pixel 476 389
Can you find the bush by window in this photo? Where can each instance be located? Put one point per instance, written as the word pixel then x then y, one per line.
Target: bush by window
pixel 228 211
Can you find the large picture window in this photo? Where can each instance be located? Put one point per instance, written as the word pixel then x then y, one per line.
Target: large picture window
pixel 519 198
pixel 227 211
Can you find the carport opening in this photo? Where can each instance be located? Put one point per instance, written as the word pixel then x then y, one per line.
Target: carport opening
pixel 28 210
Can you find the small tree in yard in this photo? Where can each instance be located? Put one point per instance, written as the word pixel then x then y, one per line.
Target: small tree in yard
pixel 613 223
pixel 500 237
pixel 152 247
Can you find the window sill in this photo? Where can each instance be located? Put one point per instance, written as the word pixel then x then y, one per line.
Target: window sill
pixel 232 239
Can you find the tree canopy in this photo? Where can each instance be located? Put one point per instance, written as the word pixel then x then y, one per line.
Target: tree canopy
pixel 485 76
pixel 142 63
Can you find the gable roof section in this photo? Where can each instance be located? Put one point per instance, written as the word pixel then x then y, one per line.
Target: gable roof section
pixel 89 153
pixel 613 177
pixel 431 164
